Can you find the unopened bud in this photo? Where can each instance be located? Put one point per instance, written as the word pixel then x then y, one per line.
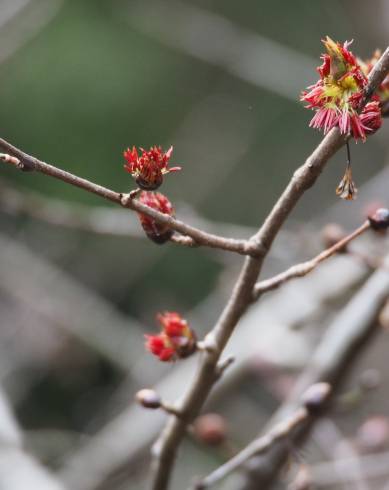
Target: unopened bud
pixel 148 399
pixel 315 396
pixel 379 220
pixel 210 429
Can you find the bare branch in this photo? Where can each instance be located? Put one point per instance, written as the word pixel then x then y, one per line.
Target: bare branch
pixel 166 447
pixel 302 269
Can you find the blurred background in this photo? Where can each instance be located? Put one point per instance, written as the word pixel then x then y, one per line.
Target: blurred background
pixel 80 81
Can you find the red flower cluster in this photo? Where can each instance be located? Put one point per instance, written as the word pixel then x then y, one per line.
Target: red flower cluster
pixel 157 232
pixel 337 95
pixel 176 340
pixel 149 168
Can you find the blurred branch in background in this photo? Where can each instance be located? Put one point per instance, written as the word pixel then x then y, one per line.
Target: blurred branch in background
pixel 337 447
pixel 341 342
pixel 69 306
pixel 96 219
pixel 211 38
pixel 18 469
pixel 311 404
pixel 21 20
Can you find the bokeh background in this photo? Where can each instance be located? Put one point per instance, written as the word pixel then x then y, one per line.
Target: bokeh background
pixel 80 81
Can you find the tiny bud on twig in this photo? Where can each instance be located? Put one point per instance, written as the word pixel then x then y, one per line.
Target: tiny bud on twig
pixel 171 409
pixel 379 220
pixel 315 396
pixel 208 344
pixel 148 399
pixel 210 429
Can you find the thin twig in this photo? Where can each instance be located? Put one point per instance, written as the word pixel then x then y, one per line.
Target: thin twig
pixel 302 269
pixel 29 163
pixel 280 432
pixel 166 447
pixel 99 220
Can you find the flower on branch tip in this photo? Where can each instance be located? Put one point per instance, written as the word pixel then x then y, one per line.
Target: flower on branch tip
pixel 148 167
pixel 157 232
pixel 337 95
pixel 175 341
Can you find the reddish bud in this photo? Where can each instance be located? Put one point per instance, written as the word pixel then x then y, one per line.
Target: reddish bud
pixel 148 168
pixel 157 232
pixel 210 429
pixel 371 117
pixel 148 399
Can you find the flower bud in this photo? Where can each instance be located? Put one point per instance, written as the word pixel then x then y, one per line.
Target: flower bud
pixel 315 397
pixel 157 232
pixel 148 399
pixel 149 168
pixel 379 220
pixel 211 429
pixel 176 340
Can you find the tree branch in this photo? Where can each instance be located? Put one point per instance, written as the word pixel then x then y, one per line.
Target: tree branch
pixel 302 269
pixel 166 447
pixel 29 163
pixel 310 406
pixel 339 345
pixel 256 248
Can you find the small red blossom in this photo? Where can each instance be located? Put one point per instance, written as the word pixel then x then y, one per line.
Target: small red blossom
pixel 157 232
pixel 337 95
pixel 149 167
pixel 176 340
